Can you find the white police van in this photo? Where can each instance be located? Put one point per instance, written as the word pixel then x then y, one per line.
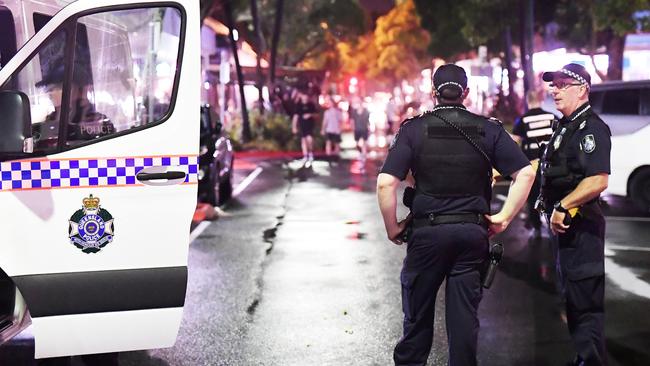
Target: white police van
pixel 98 170
pixel 625 107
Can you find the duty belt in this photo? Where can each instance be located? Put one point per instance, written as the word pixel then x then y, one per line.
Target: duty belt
pixel 433 219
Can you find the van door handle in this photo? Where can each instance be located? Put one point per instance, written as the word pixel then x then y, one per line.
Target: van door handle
pixel 142 176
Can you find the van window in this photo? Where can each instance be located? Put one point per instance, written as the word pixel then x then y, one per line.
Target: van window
pixel 122 77
pixel 645 102
pixel 123 71
pixel 596 100
pixel 43 86
pixel 624 101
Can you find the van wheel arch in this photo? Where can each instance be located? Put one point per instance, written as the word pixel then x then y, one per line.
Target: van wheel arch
pixel 638 187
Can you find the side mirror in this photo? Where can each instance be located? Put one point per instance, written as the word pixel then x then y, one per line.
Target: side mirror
pixel 15 123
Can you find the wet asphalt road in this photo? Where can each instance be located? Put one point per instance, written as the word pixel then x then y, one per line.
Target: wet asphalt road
pixel 298 272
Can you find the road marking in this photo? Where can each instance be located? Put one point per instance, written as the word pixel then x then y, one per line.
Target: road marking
pixel 247 181
pixel 501 197
pixel 198 230
pixel 623 218
pixel 239 189
pixel 628 248
pixel 624 277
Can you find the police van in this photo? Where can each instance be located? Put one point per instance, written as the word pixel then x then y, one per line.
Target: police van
pixel 98 171
pixel 625 107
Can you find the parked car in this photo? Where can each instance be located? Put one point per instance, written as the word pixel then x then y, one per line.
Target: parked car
pixel 215 161
pixel 625 107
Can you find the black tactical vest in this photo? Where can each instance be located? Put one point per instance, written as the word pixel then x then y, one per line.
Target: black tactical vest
pixel 447 165
pixel 561 168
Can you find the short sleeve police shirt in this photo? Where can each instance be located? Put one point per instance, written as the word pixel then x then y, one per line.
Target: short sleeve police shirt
pixel 595 146
pixel 505 154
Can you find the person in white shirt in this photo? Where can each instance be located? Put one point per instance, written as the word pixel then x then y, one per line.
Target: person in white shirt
pixel 332 120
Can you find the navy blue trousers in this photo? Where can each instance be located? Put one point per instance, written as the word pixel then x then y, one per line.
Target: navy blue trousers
pixel 581 270
pixel 453 252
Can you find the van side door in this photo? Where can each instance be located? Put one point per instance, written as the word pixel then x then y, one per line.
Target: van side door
pixel 96 218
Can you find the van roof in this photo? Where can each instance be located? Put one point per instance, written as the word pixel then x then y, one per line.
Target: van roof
pixel 618 84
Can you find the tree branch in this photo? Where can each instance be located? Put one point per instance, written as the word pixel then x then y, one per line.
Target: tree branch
pixel 306 53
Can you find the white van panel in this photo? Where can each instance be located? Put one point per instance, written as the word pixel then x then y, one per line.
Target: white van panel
pixel 628 153
pixel 70 334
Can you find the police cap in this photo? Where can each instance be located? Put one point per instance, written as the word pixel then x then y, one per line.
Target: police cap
pixel 450 81
pixel 574 71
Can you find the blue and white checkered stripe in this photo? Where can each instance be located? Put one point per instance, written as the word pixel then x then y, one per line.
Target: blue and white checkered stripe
pixel 79 173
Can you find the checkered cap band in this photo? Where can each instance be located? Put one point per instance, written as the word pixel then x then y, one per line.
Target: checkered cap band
pixel 80 173
pixel 574 75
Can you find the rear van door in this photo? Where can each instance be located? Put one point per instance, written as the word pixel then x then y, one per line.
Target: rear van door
pixel 95 220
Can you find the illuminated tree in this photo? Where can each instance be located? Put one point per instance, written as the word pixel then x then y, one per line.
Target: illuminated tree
pixel 401 44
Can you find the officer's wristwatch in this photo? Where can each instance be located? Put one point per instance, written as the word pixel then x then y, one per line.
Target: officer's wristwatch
pixel 558 207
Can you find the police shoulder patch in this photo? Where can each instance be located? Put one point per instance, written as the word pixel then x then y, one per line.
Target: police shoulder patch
pixel 588 144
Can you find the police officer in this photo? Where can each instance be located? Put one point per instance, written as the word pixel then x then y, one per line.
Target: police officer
pixel 575 168
pixel 532 130
pixel 450 214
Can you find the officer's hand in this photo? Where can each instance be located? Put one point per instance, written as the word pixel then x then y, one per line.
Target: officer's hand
pixel 394 233
pixel 498 224
pixel 557 222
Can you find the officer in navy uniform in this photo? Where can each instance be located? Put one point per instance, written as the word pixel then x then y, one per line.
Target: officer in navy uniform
pixel 450 210
pixel 533 130
pixel 575 169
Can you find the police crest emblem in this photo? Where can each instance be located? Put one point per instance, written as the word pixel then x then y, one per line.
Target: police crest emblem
pixel 91 227
pixel 588 144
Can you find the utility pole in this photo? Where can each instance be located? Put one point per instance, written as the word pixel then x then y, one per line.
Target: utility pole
pixel 526 11
pixel 246 128
pixel 261 48
pixel 277 28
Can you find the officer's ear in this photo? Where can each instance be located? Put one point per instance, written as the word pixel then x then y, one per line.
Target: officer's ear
pixel 465 93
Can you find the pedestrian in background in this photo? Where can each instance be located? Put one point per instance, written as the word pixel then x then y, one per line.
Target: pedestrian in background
pixel 392 116
pixel 360 118
pixel 575 170
pixel 304 119
pixel 452 168
pixel 331 128
pixel 533 130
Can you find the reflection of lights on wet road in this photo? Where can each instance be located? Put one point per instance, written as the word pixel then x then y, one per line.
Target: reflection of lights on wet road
pixel 622 276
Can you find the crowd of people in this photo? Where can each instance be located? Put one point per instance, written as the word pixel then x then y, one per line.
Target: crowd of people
pixel 338 115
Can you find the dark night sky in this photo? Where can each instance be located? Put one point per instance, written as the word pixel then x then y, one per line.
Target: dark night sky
pixel 377 7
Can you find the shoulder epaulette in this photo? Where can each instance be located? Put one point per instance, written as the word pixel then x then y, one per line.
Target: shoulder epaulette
pixel 413 118
pixel 495 121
